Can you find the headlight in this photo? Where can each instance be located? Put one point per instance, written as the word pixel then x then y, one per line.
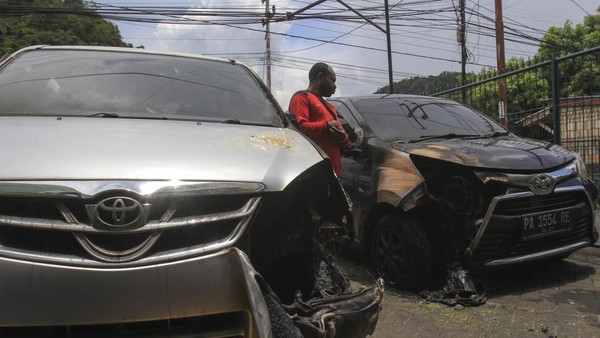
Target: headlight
pixel 581 167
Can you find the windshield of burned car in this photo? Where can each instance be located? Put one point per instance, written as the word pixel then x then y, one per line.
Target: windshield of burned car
pixel 397 119
pixel 126 84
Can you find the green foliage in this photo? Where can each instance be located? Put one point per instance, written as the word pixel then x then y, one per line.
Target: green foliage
pixel 527 91
pixel 421 85
pixel 578 76
pixel 37 26
pixel 561 41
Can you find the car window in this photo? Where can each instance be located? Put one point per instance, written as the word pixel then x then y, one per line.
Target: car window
pixel 344 114
pixel 82 83
pixel 349 122
pixel 395 119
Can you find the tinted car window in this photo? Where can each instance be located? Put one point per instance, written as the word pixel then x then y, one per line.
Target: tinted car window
pixel 87 82
pixel 407 119
pixel 344 114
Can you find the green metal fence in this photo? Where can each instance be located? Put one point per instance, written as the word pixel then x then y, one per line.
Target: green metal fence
pixel 556 101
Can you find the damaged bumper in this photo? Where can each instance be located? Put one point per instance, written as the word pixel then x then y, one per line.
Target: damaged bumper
pixel 216 295
pixel 350 316
pixel 218 288
pixel 500 239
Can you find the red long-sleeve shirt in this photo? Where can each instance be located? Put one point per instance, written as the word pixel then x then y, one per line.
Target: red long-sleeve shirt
pixel 312 118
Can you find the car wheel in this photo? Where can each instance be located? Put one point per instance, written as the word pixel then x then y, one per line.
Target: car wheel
pixel 401 252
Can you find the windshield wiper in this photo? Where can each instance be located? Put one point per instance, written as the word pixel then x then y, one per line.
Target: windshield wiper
pixel 103 114
pixel 496 134
pixel 444 136
pixel 231 121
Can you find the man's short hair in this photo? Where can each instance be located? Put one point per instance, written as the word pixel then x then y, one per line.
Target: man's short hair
pixel 317 68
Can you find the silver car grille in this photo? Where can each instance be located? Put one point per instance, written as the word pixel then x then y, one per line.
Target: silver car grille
pixel 124 223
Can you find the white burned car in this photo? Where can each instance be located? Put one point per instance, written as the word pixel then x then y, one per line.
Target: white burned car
pixel 146 193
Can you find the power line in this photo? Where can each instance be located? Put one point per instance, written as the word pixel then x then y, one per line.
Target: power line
pixel 433 15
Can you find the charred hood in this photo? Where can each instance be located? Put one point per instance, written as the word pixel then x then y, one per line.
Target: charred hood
pixel 501 153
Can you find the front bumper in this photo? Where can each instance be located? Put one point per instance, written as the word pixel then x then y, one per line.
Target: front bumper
pixel 45 295
pixel 499 239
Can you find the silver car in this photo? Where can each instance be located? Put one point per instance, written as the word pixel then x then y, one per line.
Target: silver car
pixel 146 193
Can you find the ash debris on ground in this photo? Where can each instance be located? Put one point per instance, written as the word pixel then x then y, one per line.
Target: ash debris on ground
pixel 330 280
pixel 332 308
pixel 464 286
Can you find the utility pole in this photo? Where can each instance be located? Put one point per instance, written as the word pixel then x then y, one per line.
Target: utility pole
pixel 462 39
pixel 388 35
pixel 290 16
pixel 268 42
pixel 502 98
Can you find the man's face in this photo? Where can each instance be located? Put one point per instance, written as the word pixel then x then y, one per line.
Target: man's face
pixel 327 87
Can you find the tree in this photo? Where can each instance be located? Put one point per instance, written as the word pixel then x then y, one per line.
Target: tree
pixel 423 85
pixel 579 76
pixel 528 91
pixel 561 41
pixel 53 22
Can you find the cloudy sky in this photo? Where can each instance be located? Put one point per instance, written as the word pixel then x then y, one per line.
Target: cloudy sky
pixel 423 36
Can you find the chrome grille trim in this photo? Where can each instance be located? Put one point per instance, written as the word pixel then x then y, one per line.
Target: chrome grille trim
pixel 492 207
pixel 27 222
pixel 525 180
pixel 154 259
pixel 114 255
pixel 145 252
pixel 538 255
pixel 88 189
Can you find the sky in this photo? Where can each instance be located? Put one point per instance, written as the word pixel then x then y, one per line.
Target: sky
pixel 423 36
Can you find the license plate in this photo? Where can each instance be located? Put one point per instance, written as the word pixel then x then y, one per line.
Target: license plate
pixel 546 223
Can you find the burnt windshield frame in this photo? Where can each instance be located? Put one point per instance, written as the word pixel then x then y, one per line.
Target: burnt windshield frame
pixel 83 82
pixel 403 119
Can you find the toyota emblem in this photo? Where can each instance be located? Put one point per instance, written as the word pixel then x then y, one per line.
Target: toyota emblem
pixel 118 212
pixel 542 184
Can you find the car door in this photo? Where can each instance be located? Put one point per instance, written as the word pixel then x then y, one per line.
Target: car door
pixel 355 177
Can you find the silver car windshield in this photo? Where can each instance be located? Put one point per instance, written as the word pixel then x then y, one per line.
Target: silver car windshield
pixel 138 85
pixel 412 119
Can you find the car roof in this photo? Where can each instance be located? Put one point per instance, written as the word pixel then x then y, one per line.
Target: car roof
pixel 126 50
pixel 388 96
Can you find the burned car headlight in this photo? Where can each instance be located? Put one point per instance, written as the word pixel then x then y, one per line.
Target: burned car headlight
pixel 581 167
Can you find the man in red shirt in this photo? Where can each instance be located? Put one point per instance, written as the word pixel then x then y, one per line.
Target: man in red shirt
pixel 318 118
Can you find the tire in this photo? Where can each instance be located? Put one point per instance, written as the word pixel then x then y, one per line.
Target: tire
pixel 401 252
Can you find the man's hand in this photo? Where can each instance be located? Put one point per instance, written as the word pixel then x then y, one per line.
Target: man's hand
pixel 336 131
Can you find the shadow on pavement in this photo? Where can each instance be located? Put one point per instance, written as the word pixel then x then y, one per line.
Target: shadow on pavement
pixel 535 276
pixel 513 280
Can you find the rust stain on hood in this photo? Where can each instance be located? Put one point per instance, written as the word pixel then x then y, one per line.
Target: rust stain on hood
pixel 278 141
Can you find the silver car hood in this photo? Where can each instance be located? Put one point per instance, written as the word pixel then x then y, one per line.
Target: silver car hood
pixel 76 148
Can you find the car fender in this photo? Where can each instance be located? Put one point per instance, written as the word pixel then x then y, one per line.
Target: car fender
pixel 400 183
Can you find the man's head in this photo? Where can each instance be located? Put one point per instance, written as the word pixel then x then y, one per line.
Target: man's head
pixel 322 79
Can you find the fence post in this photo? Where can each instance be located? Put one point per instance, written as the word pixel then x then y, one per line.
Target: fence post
pixel 554 82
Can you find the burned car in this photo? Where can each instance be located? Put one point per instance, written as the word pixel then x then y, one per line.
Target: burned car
pixel 154 194
pixel 436 183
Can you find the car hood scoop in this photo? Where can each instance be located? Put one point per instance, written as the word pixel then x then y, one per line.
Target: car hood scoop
pixel 503 153
pixel 76 148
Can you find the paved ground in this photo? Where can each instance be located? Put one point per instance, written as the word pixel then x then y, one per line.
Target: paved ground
pixel 554 299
